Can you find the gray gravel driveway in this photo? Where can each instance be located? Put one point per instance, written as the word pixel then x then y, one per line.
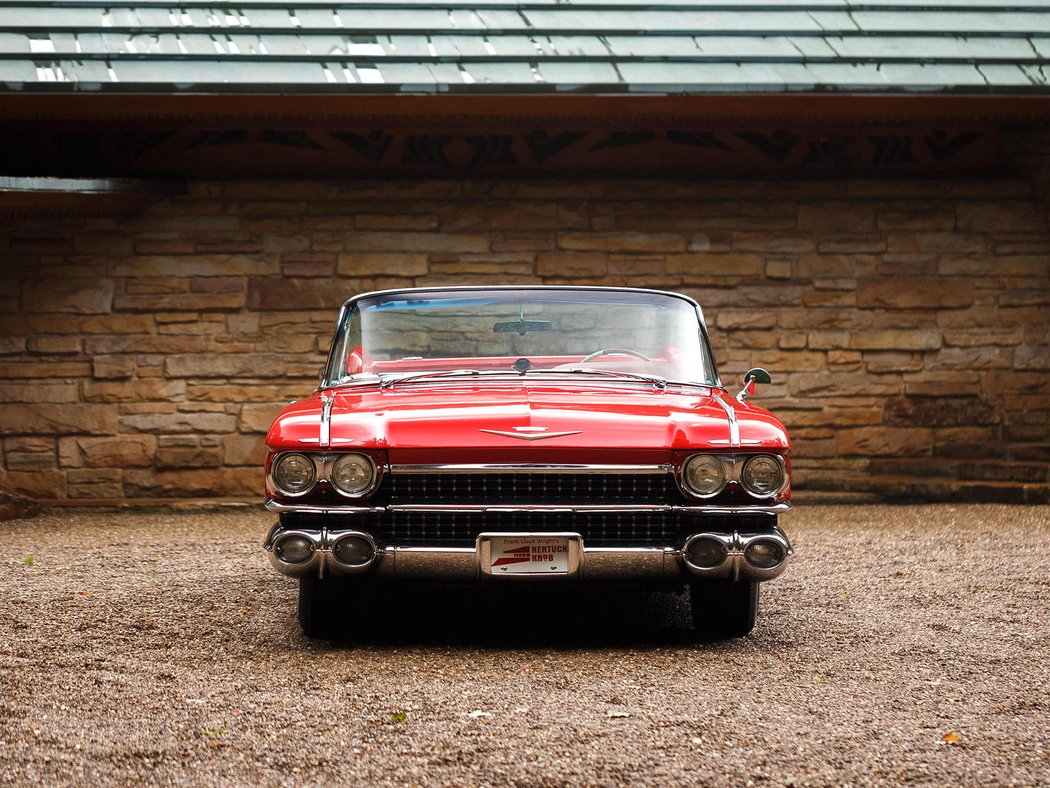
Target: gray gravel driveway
pixel 162 647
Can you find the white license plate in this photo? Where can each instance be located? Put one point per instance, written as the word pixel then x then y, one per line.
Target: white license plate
pixel 528 555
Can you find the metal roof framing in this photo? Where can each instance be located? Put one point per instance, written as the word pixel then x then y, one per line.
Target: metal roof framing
pixel 689 47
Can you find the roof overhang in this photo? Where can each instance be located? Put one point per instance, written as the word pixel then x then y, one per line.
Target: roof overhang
pixel 406 109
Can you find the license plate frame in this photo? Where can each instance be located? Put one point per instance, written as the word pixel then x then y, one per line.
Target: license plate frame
pixel 557 554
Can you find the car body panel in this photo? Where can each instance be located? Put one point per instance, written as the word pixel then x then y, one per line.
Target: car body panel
pixel 416 417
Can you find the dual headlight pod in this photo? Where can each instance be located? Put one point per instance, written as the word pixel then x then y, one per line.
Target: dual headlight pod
pixel 707 553
pixel 295 474
pixel 706 475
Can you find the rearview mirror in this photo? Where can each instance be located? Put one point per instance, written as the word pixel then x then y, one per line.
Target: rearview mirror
pixel 751 377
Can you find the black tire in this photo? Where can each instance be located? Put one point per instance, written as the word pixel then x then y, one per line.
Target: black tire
pixel 723 608
pixel 322 607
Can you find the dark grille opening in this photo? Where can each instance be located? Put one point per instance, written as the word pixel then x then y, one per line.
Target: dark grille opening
pixel 533 488
pixel 598 529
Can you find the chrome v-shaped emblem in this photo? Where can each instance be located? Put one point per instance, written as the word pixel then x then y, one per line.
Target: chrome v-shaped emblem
pixel 531 433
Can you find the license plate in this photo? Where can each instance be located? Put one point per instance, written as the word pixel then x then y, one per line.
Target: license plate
pixel 530 555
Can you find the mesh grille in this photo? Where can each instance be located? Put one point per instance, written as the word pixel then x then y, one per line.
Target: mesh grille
pixel 523 488
pixel 608 529
pixel 598 529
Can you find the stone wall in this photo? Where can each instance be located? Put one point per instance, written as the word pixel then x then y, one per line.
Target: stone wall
pixel 906 323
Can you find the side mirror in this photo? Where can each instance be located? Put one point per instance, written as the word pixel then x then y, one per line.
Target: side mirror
pixel 320 373
pixel 753 376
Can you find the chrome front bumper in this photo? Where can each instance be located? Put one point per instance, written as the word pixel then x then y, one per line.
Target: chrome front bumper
pixel 666 565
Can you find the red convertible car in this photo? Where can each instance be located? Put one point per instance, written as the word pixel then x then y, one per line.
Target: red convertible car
pixel 528 434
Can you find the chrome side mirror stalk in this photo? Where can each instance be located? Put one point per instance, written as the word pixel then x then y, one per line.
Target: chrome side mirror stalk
pixel 752 377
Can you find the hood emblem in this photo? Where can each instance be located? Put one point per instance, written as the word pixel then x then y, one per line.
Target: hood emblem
pixel 531 433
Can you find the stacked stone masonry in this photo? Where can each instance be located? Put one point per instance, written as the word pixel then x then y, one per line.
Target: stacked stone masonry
pixel 906 323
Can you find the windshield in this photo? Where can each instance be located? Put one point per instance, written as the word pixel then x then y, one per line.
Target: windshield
pixel 601 333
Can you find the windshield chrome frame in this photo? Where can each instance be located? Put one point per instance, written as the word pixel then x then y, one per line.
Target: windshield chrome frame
pixel 350 303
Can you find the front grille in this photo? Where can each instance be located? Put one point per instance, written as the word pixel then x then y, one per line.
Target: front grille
pixel 533 488
pixel 598 529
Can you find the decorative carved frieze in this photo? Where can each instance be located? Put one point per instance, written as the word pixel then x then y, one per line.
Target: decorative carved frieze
pixel 486 151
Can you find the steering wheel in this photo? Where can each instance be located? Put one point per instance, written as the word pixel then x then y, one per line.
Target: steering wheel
pixel 609 351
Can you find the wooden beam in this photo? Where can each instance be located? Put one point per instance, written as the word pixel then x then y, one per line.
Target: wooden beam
pixel 319 110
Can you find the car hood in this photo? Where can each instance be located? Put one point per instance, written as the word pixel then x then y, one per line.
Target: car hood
pixel 472 422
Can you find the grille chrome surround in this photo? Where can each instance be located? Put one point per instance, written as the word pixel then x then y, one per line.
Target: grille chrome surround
pixel 622 528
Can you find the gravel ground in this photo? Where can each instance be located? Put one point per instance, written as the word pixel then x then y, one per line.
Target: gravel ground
pixel 162 647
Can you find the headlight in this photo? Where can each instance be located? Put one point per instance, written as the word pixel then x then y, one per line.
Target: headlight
pixel 762 475
pixel 706 552
pixel 294 474
pixel 704 474
pixel 294 549
pixel 354 551
pixel 353 474
pixel 764 554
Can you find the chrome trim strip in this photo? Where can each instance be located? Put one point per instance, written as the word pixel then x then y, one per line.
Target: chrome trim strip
pixel 275 506
pixel 538 436
pixel 530 468
pixel 505 288
pixel 305 508
pixel 777 508
pixel 734 427
pixel 326 419
pixel 525 507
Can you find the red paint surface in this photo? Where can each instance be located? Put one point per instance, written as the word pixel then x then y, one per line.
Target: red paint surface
pixel 442 422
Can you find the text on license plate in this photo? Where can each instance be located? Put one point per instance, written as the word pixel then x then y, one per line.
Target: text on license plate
pixel 529 555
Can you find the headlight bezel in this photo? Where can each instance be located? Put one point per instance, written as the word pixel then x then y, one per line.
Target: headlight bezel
pixel 279 488
pixel 684 474
pixel 733 467
pixel 332 460
pixel 288 536
pixel 324 467
pixel 777 551
pixel 779 461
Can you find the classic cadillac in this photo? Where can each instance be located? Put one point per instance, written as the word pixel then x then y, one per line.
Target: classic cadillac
pixel 528 434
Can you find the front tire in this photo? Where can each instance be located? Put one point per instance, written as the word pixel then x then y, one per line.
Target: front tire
pixel 322 606
pixel 723 608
